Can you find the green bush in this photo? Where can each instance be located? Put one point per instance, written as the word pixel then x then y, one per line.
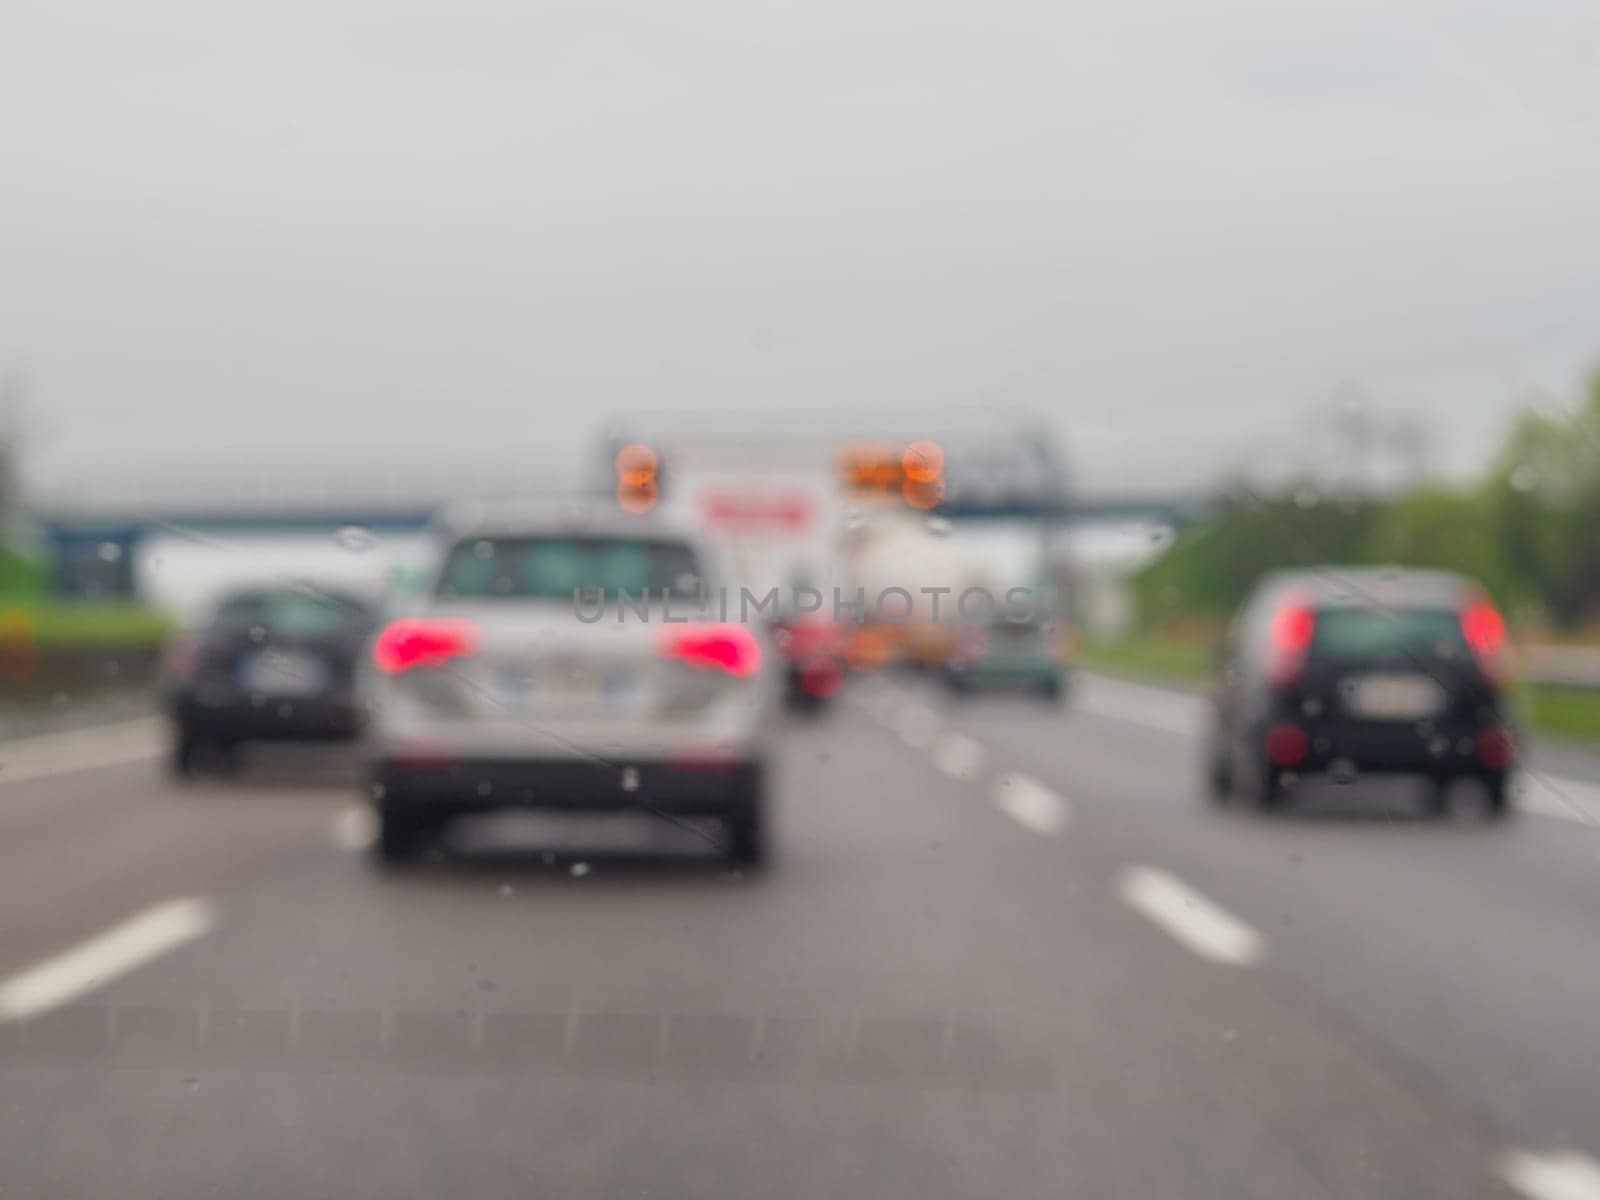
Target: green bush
pixel 1214 565
pixel 82 623
pixel 1529 532
pixel 1448 530
pixel 20 575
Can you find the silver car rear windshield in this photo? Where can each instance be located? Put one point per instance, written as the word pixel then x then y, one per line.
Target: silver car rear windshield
pixel 558 568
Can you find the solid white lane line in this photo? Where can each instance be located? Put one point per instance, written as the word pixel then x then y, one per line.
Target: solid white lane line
pixel 81 749
pixel 959 757
pixel 1556 796
pixel 1030 803
pixel 140 939
pixel 1202 926
pixel 917 726
pixel 1152 707
pixel 353 828
pixel 1552 1175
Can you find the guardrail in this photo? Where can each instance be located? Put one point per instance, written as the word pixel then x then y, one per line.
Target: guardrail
pixel 1570 666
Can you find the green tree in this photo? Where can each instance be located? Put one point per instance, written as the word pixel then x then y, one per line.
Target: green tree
pixel 1448 530
pixel 1214 565
pixel 1544 492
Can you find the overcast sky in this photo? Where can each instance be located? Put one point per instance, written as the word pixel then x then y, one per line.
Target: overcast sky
pixel 357 234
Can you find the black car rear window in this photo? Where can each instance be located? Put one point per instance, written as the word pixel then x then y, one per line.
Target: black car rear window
pixel 291 613
pixel 1374 634
pixel 554 568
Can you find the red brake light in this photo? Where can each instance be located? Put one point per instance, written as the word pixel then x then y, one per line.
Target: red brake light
pixel 1484 629
pixel 414 642
pixel 1289 637
pixel 1292 627
pixel 1286 745
pixel 821 677
pixel 731 648
pixel 1497 748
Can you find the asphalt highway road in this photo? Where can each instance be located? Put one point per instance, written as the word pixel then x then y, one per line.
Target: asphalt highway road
pixel 1003 949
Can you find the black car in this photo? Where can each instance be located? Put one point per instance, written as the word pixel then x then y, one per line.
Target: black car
pixel 271 663
pixel 1360 672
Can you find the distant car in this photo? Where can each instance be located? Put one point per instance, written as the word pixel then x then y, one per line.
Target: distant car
pixel 1029 648
pixel 812 647
pixel 269 663
pixel 1026 654
pixel 533 676
pixel 1362 672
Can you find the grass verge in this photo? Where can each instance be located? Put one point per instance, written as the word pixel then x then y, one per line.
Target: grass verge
pixel 86 624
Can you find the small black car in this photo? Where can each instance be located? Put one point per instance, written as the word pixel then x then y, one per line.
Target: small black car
pixel 272 663
pixel 1362 671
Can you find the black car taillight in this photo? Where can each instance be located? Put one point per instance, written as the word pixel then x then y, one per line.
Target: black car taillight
pixel 1484 631
pixel 1288 641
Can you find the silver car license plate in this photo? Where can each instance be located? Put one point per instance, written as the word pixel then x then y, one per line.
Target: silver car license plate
pixel 569 688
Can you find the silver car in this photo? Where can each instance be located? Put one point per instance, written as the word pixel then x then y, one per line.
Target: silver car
pixel 567 658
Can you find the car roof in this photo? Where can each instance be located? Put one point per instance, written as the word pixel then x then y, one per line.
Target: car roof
pixel 311 588
pixel 1366 587
pixel 514 518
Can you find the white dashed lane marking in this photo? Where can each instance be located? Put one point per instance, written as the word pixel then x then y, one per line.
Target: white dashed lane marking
pixel 353 828
pixel 958 756
pixel 1030 803
pixel 140 939
pixel 1205 928
pixel 1553 1175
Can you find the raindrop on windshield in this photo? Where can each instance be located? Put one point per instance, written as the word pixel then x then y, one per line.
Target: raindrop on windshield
pixel 1343 771
pixel 355 539
pixel 579 869
pixel 109 552
pixel 1524 477
pixel 1306 497
pixel 630 779
pixel 258 633
pixel 939 526
pixel 483 548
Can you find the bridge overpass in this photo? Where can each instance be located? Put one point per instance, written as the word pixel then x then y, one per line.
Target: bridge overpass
pixel 93 548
